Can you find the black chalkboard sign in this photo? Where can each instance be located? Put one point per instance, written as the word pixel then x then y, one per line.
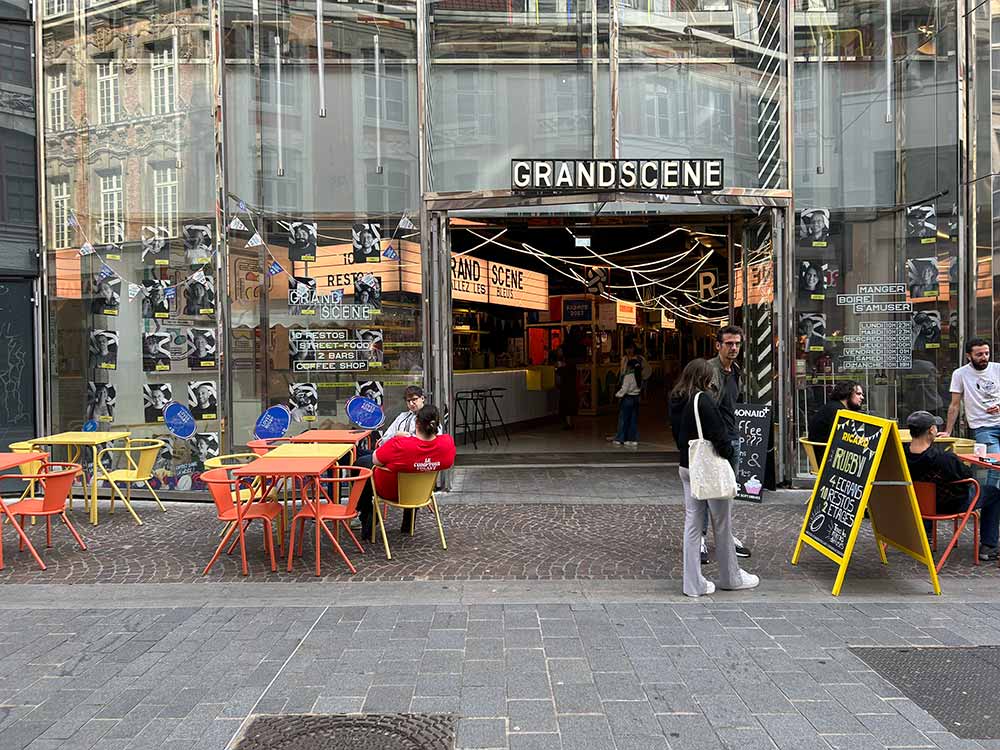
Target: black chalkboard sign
pixel 848 470
pixel 754 424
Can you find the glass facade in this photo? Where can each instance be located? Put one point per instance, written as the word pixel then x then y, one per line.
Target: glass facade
pixel 243 201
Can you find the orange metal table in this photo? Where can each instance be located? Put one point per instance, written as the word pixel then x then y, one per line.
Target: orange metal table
pixel 10 461
pixel 973 460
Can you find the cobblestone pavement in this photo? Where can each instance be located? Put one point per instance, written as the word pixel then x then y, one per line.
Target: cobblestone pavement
pixel 698 676
pixel 485 542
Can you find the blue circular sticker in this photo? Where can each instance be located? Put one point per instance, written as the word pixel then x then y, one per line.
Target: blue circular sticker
pixel 365 413
pixel 90 425
pixel 179 420
pixel 273 423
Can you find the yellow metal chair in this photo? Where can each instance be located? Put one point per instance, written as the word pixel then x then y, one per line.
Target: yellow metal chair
pixel 814 452
pixel 35 467
pixel 140 455
pixel 416 490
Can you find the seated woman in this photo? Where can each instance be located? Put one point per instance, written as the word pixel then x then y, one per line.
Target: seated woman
pixel 424 451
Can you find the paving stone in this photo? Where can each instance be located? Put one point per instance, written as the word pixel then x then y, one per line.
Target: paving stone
pixel 532 716
pixel 590 732
pixel 894 731
pixel 577 699
pixel 387 699
pixel 529 685
pixel 535 742
pixel 478 701
pixel 689 732
pixel 481 733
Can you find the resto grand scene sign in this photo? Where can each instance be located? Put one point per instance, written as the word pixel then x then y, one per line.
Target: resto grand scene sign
pixel 653 175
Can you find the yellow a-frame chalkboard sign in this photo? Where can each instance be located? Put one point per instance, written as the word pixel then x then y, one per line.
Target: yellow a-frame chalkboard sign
pixel 864 467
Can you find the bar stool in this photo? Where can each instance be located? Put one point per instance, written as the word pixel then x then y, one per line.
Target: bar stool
pixel 463 400
pixel 493 394
pixel 481 398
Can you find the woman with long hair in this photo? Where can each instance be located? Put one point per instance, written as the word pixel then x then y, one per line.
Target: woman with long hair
pixel 696 379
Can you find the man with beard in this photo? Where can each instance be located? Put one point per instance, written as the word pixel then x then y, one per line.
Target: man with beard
pixel 845 395
pixel 976 387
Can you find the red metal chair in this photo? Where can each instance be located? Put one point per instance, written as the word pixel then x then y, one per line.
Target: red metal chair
pixel 56 481
pixel 223 489
pixel 353 477
pixel 926 493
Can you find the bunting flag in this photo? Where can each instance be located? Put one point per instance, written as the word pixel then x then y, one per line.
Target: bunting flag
pixel 72 220
pixel 274 269
pixel 337 295
pixel 405 223
pixel 133 291
pixel 237 224
pixel 255 241
pixel 87 249
pixel 390 253
pixel 198 276
pixel 243 206
pixel 106 272
pixel 170 292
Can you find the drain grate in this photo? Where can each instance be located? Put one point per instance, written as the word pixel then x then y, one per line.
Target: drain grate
pixel 960 687
pixel 351 732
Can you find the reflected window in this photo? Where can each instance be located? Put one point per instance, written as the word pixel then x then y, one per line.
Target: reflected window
pixel 108 95
pixel 662 112
pixel 389 191
pixel 165 198
pixel 475 101
pixel 111 207
pixel 58 95
pixel 17 178
pixel 713 115
pixel 162 80
pixel 284 192
pixel 15 58
pixel 59 210
pixel 562 104
pixel 393 92
pixel 56 7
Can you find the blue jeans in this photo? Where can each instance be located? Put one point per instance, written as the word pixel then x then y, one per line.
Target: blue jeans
pixel 734 462
pixel 989 515
pixel 991 437
pixel 628 420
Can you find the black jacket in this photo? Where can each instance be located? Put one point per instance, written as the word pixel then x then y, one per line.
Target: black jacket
pixel 712 425
pixel 940 469
pixel 821 424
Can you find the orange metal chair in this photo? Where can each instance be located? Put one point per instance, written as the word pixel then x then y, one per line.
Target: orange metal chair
pixel 262 446
pixel 353 477
pixel 926 493
pixel 56 479
pixel 238 517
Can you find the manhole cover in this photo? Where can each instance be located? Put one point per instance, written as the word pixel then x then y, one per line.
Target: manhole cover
pixel 351 732
pixel 960 687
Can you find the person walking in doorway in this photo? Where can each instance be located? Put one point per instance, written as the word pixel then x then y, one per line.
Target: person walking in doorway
pixel 693 391
pixel 725 389
pixel 628 409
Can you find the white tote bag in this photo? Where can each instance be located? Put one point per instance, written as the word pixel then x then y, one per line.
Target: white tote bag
pixel 712 476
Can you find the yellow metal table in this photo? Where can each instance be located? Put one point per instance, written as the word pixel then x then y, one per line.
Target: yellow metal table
pixel 335 451
pixel 80 440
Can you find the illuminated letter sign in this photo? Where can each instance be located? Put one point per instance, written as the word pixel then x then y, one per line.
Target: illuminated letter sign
pixel 581 175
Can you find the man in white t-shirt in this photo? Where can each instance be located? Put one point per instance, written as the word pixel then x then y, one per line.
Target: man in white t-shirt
pixel 976 386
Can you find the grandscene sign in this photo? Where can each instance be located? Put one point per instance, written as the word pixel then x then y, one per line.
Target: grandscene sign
pixel 687 175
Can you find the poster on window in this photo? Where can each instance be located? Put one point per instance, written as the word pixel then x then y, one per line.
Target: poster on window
pixel 204 445
pixel 202 350
pixel 814 227
pixel 922 280
pixel 304 401
pixel 203 399
pixel 366 242
pixel 199 295
pixel 107 294
pixel 812 284
pixel 163 468
pixel 155 396
pixel 371 389
pixel 926 330
pixel 812 328
pixel 101 400
pixel 104 349
pixel 302 241
pixel 197 244
pixel 154 299
pixel 156 352
pixel 372 337
pixel 368 291
pixel 921 223
pixel 155 243
pixel 301 295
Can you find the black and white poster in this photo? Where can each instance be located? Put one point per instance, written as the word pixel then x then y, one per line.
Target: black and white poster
pixel 155 352
pixel 304 401
pixel 922 278
pixel 197 244
pixel 812 328
pixel 368 290
pixel 101 399
pixel 921 222
pixel 107 294
pixel 812 284
pixel 154 299
pixel 301 294
pixel 155 242
pixel 366 240
pixel 370 389
pixel 104 349
pixel 302 241
pixel 199 295
pixel 926 330
pixel 155 396
pixel 202 351
pixel 203 398
pixel 372 337
pixel 814 227
pixel 204 445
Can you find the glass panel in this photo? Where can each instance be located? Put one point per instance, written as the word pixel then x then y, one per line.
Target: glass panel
pixel 17 353
pixel 130 179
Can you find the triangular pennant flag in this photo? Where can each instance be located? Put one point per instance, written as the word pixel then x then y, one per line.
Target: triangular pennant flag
pixel 237 224
pixel 198 276
pixel 87 249
pixel 243 206
pixel 390 253
pixel 255 241
pixel 274 269
pixel 106 272
pixel 133 291
pixel 170 292
pixel 405 223
pixel 72 220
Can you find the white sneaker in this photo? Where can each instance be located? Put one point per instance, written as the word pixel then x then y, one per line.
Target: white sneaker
pixel 709 590
pixel 747 581
pixel 618 443
pixel 704 552
pixel 631 444
pixel 610 438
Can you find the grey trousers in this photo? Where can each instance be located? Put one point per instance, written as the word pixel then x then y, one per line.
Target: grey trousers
pixel 722 528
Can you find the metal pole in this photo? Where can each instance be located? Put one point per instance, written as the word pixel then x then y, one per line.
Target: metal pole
pixel 888 61
pixel 320 43
pixel 378 107
pixel 821 106
pixel 277 105
pixel 613 64
pixel 43 380
pixel 593 79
